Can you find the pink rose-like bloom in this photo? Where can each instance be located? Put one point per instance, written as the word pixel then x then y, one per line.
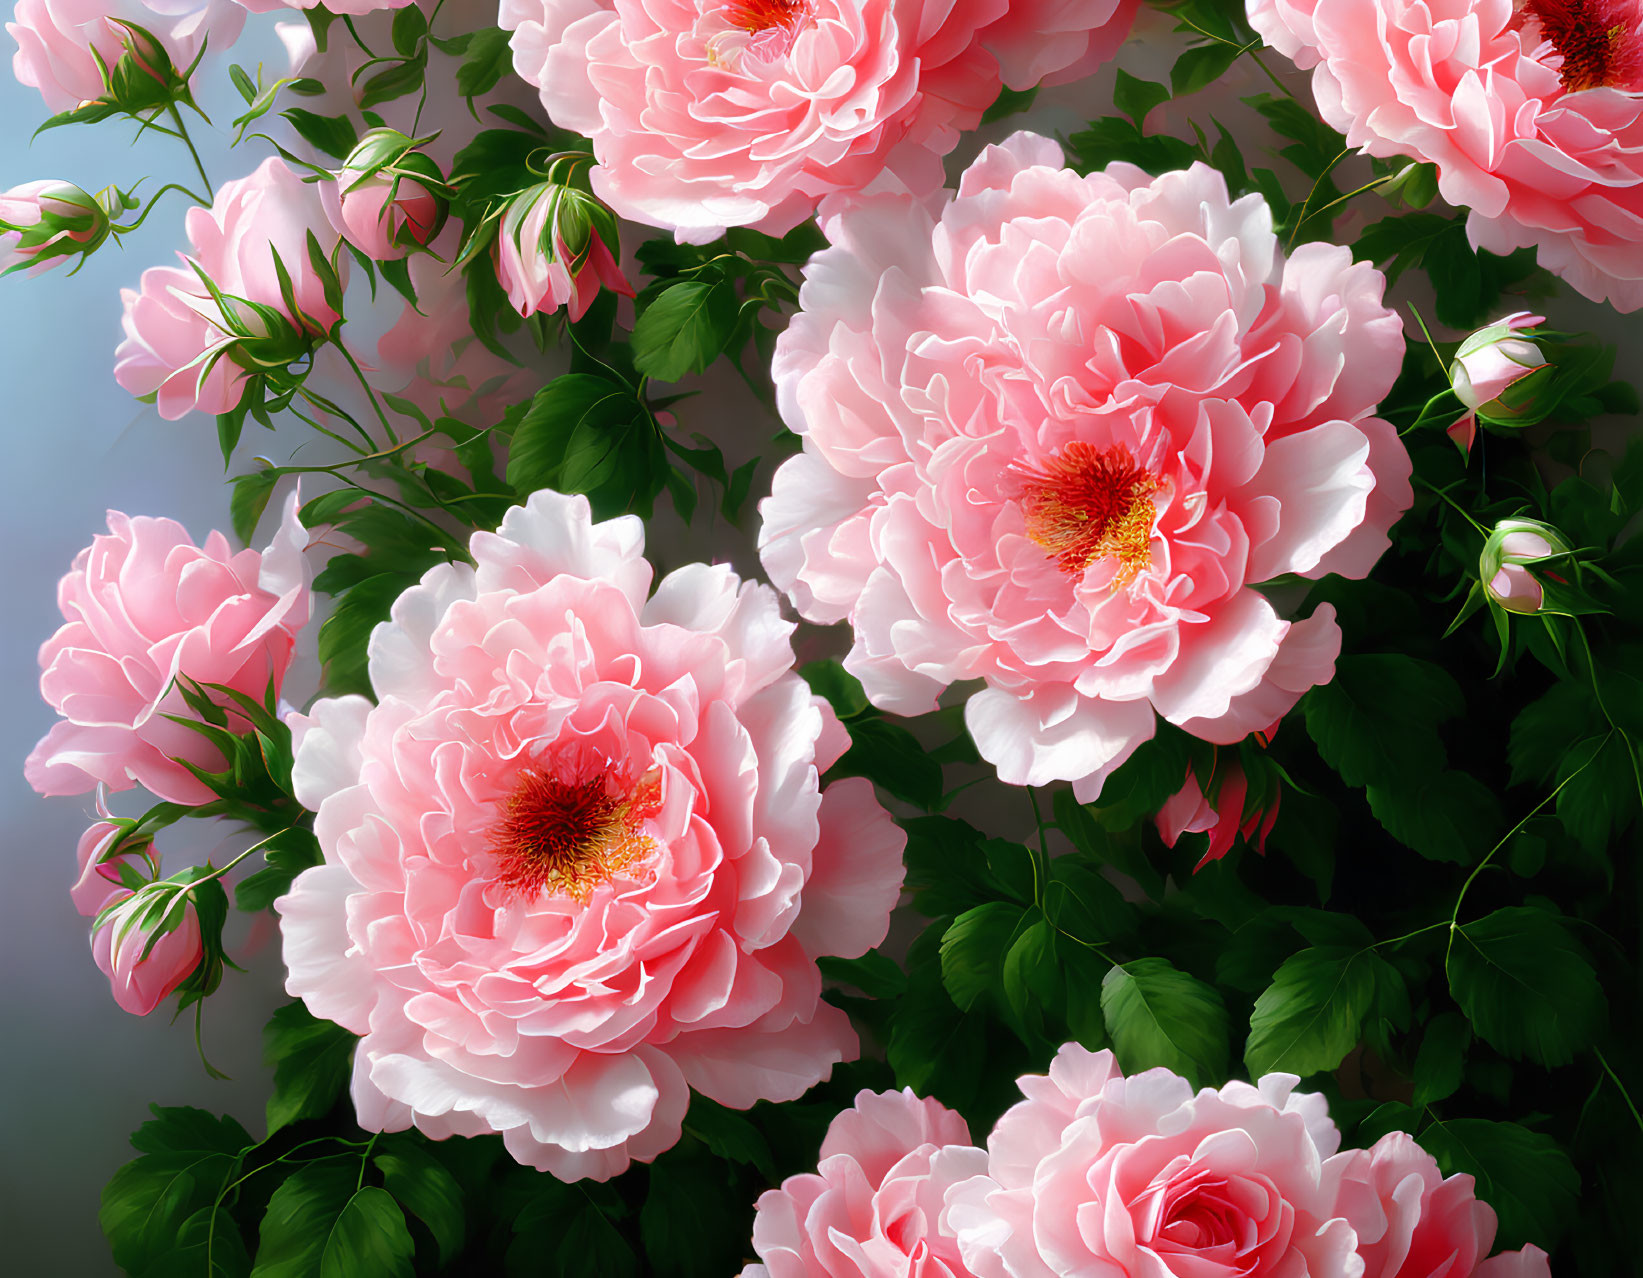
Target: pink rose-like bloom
pixel 870 1209
pixel 142 975
pixel 1411 1222
pixel 534 264
pixel 171 320
pixel 141 606
pixel 706 114
pixel 1190 811
pixel 577 860
pixel 1053 432
pixel 59 41
pixel 1531 113
pixel 1095 1173
pixel 55 220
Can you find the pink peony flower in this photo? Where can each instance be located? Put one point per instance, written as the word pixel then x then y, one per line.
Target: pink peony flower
pixel 141 606
pixel 1051 434
pixel 1095 1173
pixel 59 41
pixel 1056 41
pixel 1532 115
pixel 1411 1222
pixel 174 328
pixel 577 859
pixel 142 967
pixel 1191 811
pixel 706 115
pixel 870 1209
pixel 549 253
pixel 43 223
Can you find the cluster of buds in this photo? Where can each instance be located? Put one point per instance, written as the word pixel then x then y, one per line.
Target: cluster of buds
pixel 1496 375
pixel 553 249
pixel 388 198
pixel 43 224
pixel 150 936
pixel 1228 805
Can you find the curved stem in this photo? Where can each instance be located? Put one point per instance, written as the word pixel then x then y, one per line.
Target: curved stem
pixel 153 200
pixel 1619 1086
pixel 182 132
pixel 370 394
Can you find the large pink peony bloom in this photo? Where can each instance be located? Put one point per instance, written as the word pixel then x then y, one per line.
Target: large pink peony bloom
pixel 59 41
pixel 141 606
pixel 172 324
pixel 1139 1177
pixel 1051 434
pixel 1532 114
pixel 872 1206
pixel 577 860
pixel 706 114
pixel 1411 1222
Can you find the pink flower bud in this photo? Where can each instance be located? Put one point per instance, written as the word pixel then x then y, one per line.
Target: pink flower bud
pixel 388 197
pixel 1191 811
pixel 147 945
pixel 1491 361
pixel 1503 566
pixel 550 251
pixel 104 880
pixel 44 223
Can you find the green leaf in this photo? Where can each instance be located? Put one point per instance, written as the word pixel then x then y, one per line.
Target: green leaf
pixel 333 134
pixel 1448 816
pixel 1089 836
pixel 188 1155
pixel 1158 1015
pixel 369 1239
pixel 1525 1176
pixel 1032 977
pixel 1598 794
pixel 973 950
pixel 1441 1063
pixel 1080 902
pixel 1545 731
pixel 301 1212
pixel 1141 785
pixel 686 1206
pixel 841 688
pixel 730 1135
pixel 1009 102
pixel 1525 985
pixel 684 329
pixel 410 28
pixel 947 866
pixel 934 1047
pixel 875 974
pixel 1377 721
pixel 344 634
pixel 1201 66
pixel 250 499
pixel 1135 97
pixel 487 60
pixel 425 1187
pixel 209 1245
pixel 1114 138
pixel 312 1060
pixel 287 854
pixel 569 405
pixel 1311 1015
pixel 396 82
pixel 891 757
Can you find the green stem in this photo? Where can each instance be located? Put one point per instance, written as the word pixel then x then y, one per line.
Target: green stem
pixel 182 132
pixel 369 393
pixel 1619 1086
pixel 1461 510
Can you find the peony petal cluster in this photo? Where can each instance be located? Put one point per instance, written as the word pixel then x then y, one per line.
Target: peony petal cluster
pixel 179 348
pixel 707 114
pixel 872 1206
pixel 141 606
pixel 1053 431
pixel 59 42
pixel 577 857
pixel 1532 113
pixel 1095 1173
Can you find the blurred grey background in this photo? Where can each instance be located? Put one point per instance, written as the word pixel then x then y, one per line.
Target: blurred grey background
pixel 76 1073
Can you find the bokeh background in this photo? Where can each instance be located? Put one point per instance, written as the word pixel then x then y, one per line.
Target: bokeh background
pixel 76 1073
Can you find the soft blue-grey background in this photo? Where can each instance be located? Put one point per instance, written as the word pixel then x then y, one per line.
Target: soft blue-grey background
pixel 76 1074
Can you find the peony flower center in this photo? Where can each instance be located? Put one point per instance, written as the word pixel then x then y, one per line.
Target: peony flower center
pixel 569 836
pixel 770 28
pixel 1088 504
pixel 1598 41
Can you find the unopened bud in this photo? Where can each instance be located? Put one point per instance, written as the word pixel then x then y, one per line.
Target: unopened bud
pixel 389 198
pixel 1504 566
pixel 45 223
pixel 1490 367
pixel 147 943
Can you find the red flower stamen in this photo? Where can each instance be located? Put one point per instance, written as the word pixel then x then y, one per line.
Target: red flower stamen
pixel 754 16
pixel 568 837
pixel 1598 41
pixel 1089 504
